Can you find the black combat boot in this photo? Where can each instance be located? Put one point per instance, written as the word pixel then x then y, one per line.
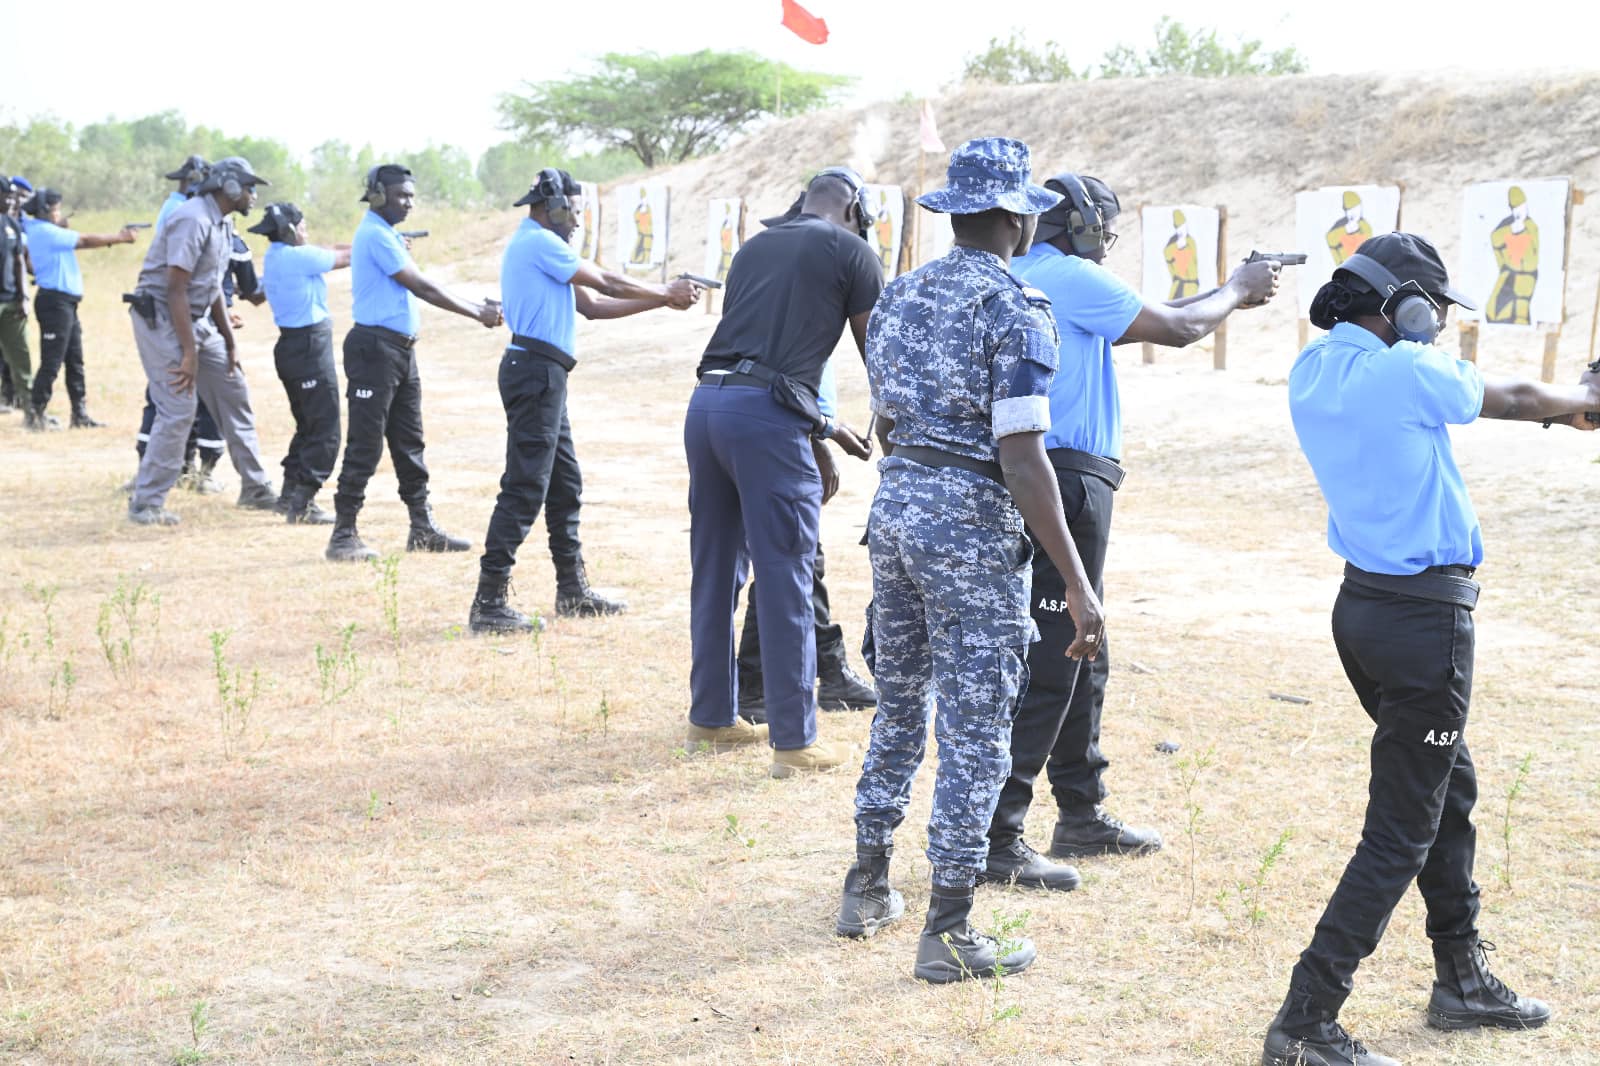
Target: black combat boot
pixel 1306 1033
pixel 81 419
pixel 869 903
pixel 35 419
pixel 574 597
pixel 1018 864
pixel 1090 830
pixel 492 614
pixel 752 698
pixel 426 536
pixel 841 688
pixel 1466 995
pixel 299 506
pixel 8 399
pixel 951 950
pixel 345 545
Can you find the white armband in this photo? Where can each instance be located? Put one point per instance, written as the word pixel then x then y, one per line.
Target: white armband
pixel 1021 414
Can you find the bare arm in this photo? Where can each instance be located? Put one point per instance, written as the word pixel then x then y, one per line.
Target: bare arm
pixel 618 286
pixel 105 240
pixel 858 330
pixel 593 305
pixel 882 426
pixel 1531 401
pixel 219 318
pixel 341 256
pixel 1033 486
pixel 424 289
pixel 1182 322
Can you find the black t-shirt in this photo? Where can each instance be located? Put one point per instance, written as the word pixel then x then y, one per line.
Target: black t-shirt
pixel 790 291
pixel 10 251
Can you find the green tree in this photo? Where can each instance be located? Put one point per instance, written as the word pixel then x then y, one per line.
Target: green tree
pixel 664 109
pixel 1197 53
pixel 1013 62
pixel 506 170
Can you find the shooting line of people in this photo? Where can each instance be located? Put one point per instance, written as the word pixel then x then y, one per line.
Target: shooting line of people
pixel 996 404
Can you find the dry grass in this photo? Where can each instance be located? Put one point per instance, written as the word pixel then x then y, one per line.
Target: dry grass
pixel 467 861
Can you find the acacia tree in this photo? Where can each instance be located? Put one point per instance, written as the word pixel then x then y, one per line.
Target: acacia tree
pixel 1198 53
pixel 664 109
pixel 1014 62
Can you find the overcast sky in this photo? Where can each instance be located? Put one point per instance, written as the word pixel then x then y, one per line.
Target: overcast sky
pixel 375 73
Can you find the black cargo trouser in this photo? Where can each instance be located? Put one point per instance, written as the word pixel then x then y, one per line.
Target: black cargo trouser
pixel 60 343
pixel 541 464
pixel 1410 663
pixel 304 360
pixel 1058 719
pixel 385 398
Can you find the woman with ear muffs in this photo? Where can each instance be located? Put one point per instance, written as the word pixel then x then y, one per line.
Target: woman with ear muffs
pixel 1371 402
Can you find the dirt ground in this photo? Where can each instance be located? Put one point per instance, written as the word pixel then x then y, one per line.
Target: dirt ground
pixel 498 850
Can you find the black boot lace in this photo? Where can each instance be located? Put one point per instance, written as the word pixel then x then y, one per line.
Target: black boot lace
pixel 1492 984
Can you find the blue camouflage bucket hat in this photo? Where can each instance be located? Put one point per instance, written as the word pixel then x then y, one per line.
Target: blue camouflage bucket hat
pixel 986 173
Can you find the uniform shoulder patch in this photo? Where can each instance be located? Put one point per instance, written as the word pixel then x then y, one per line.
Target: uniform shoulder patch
pixel 1035 296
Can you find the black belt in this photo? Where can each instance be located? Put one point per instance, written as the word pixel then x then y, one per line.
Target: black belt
pixel 299 331
pixel 544 348
pixel 395 337
pixel 1108 470
pixel 730 378
pixel 1441 584
pixel 940 458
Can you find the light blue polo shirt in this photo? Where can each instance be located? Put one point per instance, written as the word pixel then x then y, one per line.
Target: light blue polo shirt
pixel 175 199
pixel 294 280
pixel 1093 308
pixel 1371 420
pixel 828 391
pixel 377 253
pixel 536 286
pixel 55 259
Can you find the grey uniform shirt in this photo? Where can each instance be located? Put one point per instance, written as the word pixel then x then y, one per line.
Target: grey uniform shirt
pixel 196 237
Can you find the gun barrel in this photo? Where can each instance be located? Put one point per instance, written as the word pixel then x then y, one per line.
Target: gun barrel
pixel 137 225
pixel 1281 258
pixel 704 283
pixel 413 233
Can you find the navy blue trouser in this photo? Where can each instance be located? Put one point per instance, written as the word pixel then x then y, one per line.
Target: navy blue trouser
pixel 541 465
pixel 755 499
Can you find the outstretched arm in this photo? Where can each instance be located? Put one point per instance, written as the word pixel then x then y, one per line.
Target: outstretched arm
pixel 1182 322
pixel 413 279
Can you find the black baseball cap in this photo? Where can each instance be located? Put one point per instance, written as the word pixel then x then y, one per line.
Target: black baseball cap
pixel 278 218
pixel 188 167
pixel 39 205
pixel 570 186
pixel 1410 257
pixel 1053 223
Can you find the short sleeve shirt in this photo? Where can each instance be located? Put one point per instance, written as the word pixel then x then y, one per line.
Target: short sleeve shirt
pixel 960 354
pixel 294 279
pixel 198 238
pixel 376 255
pixel 536 286
pixel 173 201
pixel 1093 308
pixel 1371 420
pixel 55 257
pixel 790 291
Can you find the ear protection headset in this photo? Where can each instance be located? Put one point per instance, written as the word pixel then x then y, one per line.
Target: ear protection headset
pixel 1086 226
pixel 858 189
pixel 222 178
pixel 552 188
pixel 1412 312
pixel 376 194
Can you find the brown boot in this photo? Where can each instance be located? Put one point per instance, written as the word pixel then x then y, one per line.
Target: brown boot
pixel 816 758
pixel 725 738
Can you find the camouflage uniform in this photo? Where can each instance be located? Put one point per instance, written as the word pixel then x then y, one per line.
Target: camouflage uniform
pixel 958 354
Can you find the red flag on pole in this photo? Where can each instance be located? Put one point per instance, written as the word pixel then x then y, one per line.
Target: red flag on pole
pixel 930 130
pixel 805 25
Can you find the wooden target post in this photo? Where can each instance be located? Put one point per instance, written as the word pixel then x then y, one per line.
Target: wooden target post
pixel 1219 343
pixel 1552 336
pixel 666 234
pixel 905 257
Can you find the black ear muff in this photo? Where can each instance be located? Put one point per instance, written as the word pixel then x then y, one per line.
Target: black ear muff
pixel 858 189
pixel 376 194
pixel 1086 227
pixel 1412 312
pixel 553 190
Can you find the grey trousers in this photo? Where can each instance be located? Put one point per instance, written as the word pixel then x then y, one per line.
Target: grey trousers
pixel 226 396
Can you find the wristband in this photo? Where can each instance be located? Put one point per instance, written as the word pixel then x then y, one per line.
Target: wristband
pixel 823 431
